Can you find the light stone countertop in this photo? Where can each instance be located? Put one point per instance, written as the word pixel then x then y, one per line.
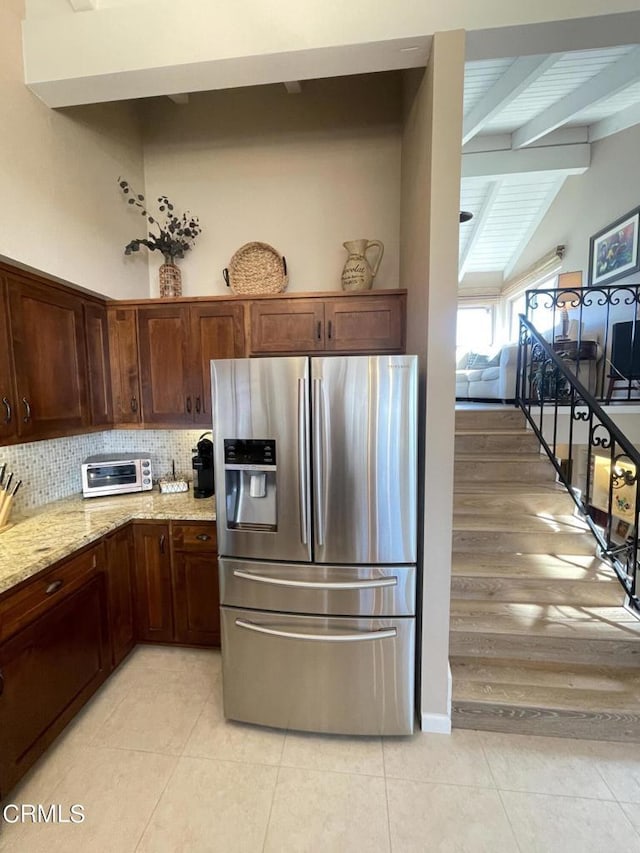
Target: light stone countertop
pixel 56 530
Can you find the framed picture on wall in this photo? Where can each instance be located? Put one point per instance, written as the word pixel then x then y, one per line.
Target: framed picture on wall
pixel 613 252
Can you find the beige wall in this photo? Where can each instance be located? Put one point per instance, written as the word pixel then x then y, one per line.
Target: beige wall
pixel 61 210
pixel 589 202
pixel 301 172
pixel 429 267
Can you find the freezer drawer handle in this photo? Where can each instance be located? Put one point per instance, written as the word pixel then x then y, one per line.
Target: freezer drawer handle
pixel 372 584
pixel 384 634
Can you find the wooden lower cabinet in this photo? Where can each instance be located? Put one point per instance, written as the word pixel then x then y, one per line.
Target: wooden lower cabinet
pixel 152 585
pixel 195 584
pixel 67 629
pixel 119 558
pixel 48 670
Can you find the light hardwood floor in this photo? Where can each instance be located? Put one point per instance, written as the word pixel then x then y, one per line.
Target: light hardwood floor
pixel 540 642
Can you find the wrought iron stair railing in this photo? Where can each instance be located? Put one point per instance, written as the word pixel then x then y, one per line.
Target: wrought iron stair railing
pixel 582 442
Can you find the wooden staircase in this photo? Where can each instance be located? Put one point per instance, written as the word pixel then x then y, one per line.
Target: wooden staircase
pixel 540 642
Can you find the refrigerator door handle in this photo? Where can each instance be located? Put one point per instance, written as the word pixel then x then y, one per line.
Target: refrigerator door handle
pixel 370 584
pixel 362 636
pixel 302 459
pixel 319 457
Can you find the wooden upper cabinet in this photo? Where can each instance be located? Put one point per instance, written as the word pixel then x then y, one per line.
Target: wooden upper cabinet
pixel 125 374
pixel 99 369
pixel 217 331
pixel 287 326
pixel 167 393
pixel 47 332
pixel 375 324
pixel 8 402
pixel 371 323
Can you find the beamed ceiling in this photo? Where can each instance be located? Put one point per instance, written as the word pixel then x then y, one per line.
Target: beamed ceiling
pixel 528 124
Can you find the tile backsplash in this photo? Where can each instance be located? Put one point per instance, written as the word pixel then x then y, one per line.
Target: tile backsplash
pixel 50 470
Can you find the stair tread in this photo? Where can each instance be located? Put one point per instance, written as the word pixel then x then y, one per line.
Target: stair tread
pixel 580 688
pixel 506 430
pixel 520 522
pixel 577 567
pixel 507 456
pixel 548 620
pixel 509 487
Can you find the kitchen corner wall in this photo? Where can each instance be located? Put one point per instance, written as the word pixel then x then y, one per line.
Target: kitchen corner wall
pixel 62 210
pixel 302 172
pixel 50 470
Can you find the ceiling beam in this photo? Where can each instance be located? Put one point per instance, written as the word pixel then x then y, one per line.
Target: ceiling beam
pixel 479 221
pixel 518 77
pixel 613 124
pixel 83 5
pixel 533 225
pixel 502 141
pixel 613 79
pixel 563 159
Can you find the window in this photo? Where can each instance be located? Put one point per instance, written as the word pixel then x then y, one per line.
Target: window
pixel 474 331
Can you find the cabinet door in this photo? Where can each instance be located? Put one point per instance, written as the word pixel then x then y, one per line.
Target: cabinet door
pixel 152 587
pixel 195 584
pixel 8 408
pixel 47 330
pixel 125 376
pixel 217 331
pixel 373 324
pixel 119 550
pixel 48 671
pixel 163 335
pixel 98 367
pixel 287 326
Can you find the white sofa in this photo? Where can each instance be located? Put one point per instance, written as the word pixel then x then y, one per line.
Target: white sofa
pixel 496 382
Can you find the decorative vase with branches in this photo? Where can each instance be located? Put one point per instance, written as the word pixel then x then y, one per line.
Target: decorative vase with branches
pixel 172 236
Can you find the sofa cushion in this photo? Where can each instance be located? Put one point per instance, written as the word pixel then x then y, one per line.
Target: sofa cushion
pixel 477 359
pixel 490 373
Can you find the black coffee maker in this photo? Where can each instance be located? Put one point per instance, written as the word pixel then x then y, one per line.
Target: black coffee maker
pixel 203 467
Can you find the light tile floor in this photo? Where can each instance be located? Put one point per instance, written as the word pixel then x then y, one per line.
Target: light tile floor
pixel 157 768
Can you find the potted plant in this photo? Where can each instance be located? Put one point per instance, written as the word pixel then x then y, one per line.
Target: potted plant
pixel 175 235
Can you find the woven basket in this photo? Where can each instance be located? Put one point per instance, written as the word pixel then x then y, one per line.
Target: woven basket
pixel 256 268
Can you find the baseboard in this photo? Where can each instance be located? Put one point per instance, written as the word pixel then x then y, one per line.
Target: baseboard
pixel 439 723
pixel 436 724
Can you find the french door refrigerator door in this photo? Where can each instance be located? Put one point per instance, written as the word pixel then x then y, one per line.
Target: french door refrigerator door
pixel 318 673
pixel 261 440
pixel 364 423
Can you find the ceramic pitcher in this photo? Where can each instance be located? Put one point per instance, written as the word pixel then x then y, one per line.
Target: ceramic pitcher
pixel 358 274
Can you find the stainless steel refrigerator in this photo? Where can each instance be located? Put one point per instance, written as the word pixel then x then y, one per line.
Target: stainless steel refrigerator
pixel 315 465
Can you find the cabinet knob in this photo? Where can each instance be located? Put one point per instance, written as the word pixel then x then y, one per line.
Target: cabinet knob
pixel 134 404
pixel 319 332
pixel 162 540
pixel 7 408
pixel 27 410
pixel 189 404
pixel 54 587
pixel 203 537
pixel 329 330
